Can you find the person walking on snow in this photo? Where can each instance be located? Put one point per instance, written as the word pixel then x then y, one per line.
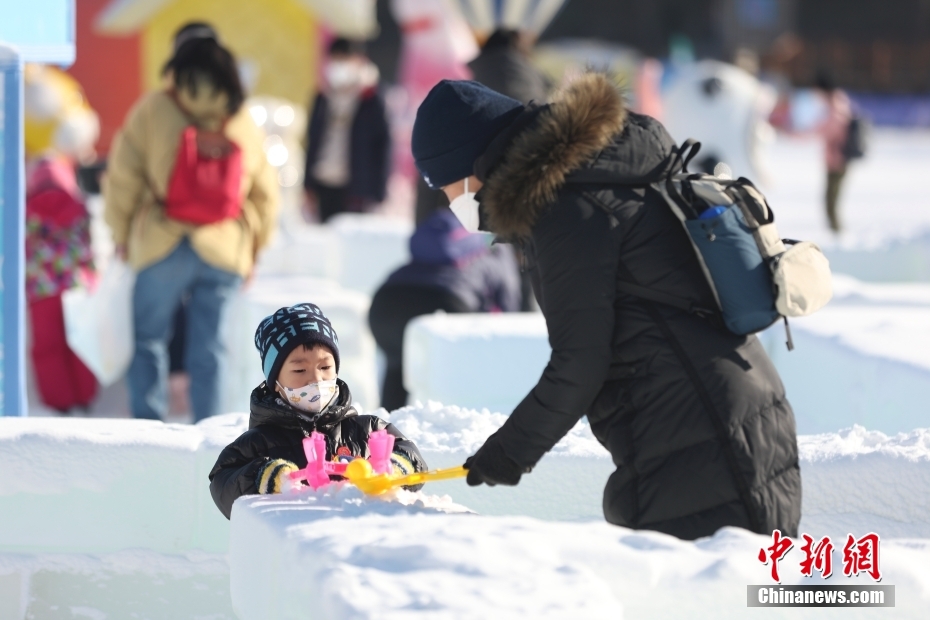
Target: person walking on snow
pixel 695 417
pixel 190 198
pixel 835 132
pixel 348 140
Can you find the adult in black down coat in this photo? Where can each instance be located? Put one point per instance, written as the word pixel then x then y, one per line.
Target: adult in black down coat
pixel 695 417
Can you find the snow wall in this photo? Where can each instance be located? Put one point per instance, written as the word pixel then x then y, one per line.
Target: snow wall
pixel 864 359
pixel 116 515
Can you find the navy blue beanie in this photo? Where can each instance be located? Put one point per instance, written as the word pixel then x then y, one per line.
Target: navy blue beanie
pixel 455 124
pixel 287 329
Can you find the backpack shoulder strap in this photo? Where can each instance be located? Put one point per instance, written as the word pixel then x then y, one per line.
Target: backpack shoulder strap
pixel 627 282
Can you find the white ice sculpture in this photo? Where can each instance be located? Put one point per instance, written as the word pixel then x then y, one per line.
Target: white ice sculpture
pixel 726 109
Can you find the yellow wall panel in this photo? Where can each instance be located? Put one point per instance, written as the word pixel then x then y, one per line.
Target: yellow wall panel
pixel 278 37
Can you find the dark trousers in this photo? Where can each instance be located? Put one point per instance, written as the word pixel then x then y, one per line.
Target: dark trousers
pixel 331 200
pixel 834 181
pixel 391 310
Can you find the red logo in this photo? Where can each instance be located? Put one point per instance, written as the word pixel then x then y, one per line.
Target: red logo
pixel 819 556
pixel 780 546
pixel 859 556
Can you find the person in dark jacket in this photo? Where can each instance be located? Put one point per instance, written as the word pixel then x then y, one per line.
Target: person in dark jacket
pixel 450 270
pixel 348 141
pixel 301 394
pixel 504 66
pixel 695 417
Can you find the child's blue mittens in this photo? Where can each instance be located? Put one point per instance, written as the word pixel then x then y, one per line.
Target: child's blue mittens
pixel 272 477
pixel 490 465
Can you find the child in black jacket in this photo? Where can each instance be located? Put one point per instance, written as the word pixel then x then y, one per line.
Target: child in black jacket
pixel 301 394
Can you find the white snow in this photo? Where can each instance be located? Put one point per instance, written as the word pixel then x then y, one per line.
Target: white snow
pixel 422 561
pixel 882 201
pixel 357 250
pixel 101 485
pixel 864 359
pixel 126 503
pixel 112 518
pixel 475 360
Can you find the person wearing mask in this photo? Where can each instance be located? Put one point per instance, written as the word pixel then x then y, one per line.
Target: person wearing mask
pixel 450 270
pixel 190 199
pixel 348 140
pixel 695 417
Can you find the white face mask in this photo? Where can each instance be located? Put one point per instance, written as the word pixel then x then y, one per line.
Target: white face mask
pixel 341 74
pixel 312 398
pixel 465 208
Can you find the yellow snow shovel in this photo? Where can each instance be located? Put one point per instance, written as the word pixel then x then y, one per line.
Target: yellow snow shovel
pixel 360 473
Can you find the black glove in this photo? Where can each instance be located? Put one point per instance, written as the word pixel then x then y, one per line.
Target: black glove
pixel 490 465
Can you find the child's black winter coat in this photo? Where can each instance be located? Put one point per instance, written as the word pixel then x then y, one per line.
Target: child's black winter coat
pixel 277 430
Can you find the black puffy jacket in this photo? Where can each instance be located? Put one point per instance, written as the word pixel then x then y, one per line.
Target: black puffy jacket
pixel 695 417
pixel 277 430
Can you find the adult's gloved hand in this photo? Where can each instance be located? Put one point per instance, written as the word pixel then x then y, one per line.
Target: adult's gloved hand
pixel 490 465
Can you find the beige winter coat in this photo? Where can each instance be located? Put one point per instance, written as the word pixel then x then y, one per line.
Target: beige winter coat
pixel 141 161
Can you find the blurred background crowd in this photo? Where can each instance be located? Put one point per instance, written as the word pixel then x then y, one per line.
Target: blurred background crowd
pixel 333 88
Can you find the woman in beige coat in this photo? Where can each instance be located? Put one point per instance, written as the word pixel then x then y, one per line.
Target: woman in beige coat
pixel 190 199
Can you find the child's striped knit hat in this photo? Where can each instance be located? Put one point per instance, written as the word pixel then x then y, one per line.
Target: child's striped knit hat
pixel 288 328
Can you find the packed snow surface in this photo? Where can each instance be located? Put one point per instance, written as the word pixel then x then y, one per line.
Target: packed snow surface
pixel 864 359
pixel 347 556
pixel 141 484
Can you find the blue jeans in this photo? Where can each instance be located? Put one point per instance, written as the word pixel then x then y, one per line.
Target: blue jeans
pixel 158 293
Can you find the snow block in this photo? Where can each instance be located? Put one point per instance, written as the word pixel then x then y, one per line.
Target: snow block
pixel 864 359
pixel 343 555
pixel 301 250
pixel 899 260
pixel 346 309
pixel 859 480
pixel 357 250
pixel 125 584
pixel 371 246
pixel 105 485
pixel 475 360
pixel 568 484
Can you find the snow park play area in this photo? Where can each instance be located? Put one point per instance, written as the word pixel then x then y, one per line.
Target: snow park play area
pixel 111 518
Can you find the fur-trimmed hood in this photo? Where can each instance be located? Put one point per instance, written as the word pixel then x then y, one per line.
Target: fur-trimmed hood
pixel 586 125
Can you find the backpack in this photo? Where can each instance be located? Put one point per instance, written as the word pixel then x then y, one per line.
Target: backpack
pixel 755 276
pixel 857 138
pixel 204 186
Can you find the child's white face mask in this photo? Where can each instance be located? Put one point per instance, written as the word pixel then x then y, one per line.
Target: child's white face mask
pixel 312 398
pixel 465 208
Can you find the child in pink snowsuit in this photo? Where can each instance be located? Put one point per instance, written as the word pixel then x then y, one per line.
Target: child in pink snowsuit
pixel 58 257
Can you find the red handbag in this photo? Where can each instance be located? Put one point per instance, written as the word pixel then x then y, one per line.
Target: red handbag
pixel 205 183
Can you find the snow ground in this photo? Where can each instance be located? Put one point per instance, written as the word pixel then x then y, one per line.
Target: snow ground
pixel 141 535
pixel 344 555
pixel 82 537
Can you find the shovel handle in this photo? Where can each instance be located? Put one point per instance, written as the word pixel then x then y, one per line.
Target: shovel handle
pixel 429 476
